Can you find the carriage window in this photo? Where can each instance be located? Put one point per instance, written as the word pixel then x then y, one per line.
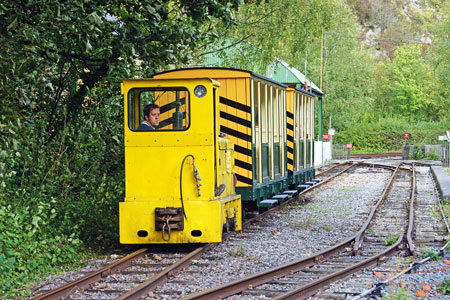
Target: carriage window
pixel 172 103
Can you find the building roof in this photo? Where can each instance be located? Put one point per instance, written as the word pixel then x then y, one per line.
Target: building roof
pixel 281 71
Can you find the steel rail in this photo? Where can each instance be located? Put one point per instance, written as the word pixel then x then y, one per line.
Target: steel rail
pixel 375 155
pixel 159 278
pixel 242 284
pixel 79 284
pixel 311 288
pixel 328 179
pixel 411 224
pixel 333 168
pixel 369 164
pixel 413 265
pixel 285 203
pixel 162 277
pixel 360 235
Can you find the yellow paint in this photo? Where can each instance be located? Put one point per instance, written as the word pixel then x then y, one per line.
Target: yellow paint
pixel 153 162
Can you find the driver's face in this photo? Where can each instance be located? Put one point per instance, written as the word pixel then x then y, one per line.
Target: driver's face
pixel 153 117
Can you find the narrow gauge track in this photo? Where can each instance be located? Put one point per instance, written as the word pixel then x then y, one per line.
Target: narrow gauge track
pixel 131 271
pixel 377 155
pixel 333 170
pixel 134 269
pixel 428 231
pixel 303 278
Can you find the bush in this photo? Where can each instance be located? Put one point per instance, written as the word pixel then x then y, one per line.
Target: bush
pixel 386 134
pixel 432 156
pixel 58 195
pixel 418 153
pixel 444 287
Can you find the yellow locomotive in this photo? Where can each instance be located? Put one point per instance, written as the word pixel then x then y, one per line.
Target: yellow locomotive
pixel 223 134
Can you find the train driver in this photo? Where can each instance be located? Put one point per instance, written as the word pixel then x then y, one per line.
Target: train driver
pixel 151 117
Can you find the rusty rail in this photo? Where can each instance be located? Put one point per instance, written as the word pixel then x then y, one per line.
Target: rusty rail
pixel 162 277
pixel 239 285
pixel 79 284
pixel 360 235
pixel 242 284
pixel 409 237
pixel 310 289
pixel 333 168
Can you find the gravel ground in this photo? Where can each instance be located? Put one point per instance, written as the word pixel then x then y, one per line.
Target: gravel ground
pixel 327 216
pixel 320 219
pixel 422 282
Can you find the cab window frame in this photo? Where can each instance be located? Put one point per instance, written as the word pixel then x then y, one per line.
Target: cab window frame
pixel 131 107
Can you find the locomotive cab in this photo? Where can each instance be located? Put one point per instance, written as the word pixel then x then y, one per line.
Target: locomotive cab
pixel 179 179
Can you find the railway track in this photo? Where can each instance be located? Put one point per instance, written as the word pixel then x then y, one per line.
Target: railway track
pixel 428 232
pixel 376 155
pixel 164 272
pixel 143 271
pixel 303 278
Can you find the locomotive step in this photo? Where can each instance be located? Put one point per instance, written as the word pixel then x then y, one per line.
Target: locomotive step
pixel 268 203
pixel 310 182
pixel 292 193
pixel 281 197
pixel 302 187
pixel 317 180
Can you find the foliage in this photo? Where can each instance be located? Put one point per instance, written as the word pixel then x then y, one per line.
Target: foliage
pixel 391 241
pixel 418 153
pixel 441 59
pixel 61 124
pixel 239 252
pixel 444 286
pixel 410 85
pixel 386 134
pixel 434 256
pixel 269 28
pixel 399 294
pixel 432 156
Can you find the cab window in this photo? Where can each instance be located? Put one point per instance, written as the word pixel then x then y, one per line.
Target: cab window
pixel 173 103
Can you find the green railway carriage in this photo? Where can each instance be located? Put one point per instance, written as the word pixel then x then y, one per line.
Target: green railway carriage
pixel 271 125
pixel 300 136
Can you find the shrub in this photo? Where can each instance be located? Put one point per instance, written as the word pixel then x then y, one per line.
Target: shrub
pixel 57 195
pixel 400 294
pixel 386 134
pixel 444 287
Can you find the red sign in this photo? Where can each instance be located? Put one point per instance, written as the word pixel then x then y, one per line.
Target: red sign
pixel 406 135
pixel 326 137
pixel 349 146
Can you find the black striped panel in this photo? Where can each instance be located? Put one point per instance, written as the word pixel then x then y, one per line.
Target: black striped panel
pixel 242 150
pixel 235 104
pixel 290 161
pixel 290 149
pixel 290 126
pixel 243 165
pixel 243 179
pixel 290 138
pixel 290 115
pixel 235 119
pixel 171 105
pixel 235 133
pixel 238 135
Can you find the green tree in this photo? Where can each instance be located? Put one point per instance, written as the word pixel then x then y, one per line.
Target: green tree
pixel 269 28
pixel 52 52
pixel 61 116
pixel 441 60
pixel 410 84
